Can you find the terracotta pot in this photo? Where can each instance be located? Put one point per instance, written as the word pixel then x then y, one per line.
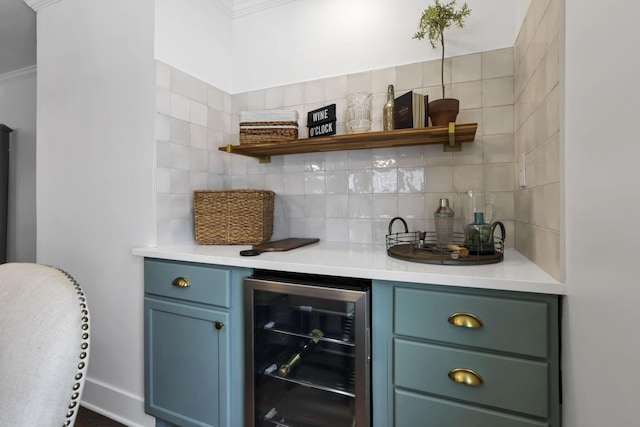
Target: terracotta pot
pixel 442 111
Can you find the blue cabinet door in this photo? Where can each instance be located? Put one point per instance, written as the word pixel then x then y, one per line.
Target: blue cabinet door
pixel 187 352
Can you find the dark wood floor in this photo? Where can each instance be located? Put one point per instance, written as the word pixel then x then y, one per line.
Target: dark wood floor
pixel 87 418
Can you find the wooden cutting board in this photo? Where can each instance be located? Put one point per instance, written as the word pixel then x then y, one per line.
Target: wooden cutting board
pixel 285 244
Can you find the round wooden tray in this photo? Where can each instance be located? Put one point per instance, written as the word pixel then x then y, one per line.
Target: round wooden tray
pixel 434 255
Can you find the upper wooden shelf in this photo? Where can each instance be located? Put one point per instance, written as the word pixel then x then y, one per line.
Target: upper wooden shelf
pixel 451 137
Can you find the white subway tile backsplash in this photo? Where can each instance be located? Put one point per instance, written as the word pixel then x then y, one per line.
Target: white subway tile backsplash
pixel 215 98
pixel 198 113
pixel 408 157
pixel 163 180
pixel 180 83
pixel 411 206
pixel 314 183
pixel 381 79
pixel 359 82
pixel 499 177
pixel 359 159
pixel 466 68
pixel 198 91
pixel 274 98
pixel 360 206
pixel 274 182
pixel 293 95
pixel 180 181
pixel 411 180
pixel 315 206
pixel 342 195
pixel 498 91
pixel 163 101
pixel 360 181
pixel 180 156
pixel 408 77
pixel 337 206
pixel 294 183
pixel 469 93
pixel 198 136
pixel 163 75
pixel 337 230
pixel 385 205
pixel 337 182
pixel 179 131
pixel 335 88
pixel 314 91
pixel 497 63
pixel 199 160
pixel 497 120
pixel 385 180
pixel 199 180
pixel 439 179
pixel 163 154
pixel 360 231
pixel 256 100
pixel 180 107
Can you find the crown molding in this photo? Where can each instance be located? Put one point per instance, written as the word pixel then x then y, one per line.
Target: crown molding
pixel 40 4
pixel 246 7
pixel 18 74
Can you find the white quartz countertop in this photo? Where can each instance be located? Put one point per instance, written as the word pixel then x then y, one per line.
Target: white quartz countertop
pixel 515 273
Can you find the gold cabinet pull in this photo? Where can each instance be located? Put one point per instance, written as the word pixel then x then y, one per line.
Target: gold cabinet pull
pixel 465 320
pixel 219 325
pixel 465 376
pixel 181 282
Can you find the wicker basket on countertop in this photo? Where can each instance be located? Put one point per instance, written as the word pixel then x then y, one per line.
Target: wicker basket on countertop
pixel 233 217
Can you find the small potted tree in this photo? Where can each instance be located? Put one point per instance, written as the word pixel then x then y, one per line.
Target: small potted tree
pixel 434 20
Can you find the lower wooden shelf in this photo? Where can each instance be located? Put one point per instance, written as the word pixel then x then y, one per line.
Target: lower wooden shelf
pixel 451 137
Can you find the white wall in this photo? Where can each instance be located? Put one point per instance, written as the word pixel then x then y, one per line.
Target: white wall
pixel 195 37
pixel 95 157
pixel 18 111
pixel 601 339
pixel 307 40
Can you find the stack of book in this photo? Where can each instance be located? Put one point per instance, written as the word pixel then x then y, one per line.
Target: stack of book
pixel 268 126
pixel 322 122
pixel 411 110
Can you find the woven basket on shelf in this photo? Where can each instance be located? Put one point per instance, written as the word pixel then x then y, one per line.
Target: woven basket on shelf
pixel 254 132
pixel 233 217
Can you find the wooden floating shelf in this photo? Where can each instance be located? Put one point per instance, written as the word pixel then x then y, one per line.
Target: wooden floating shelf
pixel 451 137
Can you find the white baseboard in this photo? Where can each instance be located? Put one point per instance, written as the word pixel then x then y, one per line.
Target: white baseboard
pixel 119 405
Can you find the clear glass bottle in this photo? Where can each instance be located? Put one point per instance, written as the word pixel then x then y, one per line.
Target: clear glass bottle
pixel 444 217
pixel 478 238
pixel 387 113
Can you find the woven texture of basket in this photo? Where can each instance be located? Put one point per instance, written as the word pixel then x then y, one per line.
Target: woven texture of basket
pixel 254 132
pixel 233 217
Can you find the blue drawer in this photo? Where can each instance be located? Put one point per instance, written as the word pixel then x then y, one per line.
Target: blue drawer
pixel 416 410
pixel 508 325
pixel 509 383
pixel 200 283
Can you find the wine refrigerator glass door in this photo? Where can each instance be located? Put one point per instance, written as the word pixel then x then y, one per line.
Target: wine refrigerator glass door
pixel 307 355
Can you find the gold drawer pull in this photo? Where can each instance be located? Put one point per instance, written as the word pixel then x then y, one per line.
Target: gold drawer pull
pixel 465 320
pixel 465 376
pixel 181 282
pixel 219 325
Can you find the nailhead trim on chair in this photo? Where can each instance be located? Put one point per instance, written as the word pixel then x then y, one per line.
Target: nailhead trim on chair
pixel 82 366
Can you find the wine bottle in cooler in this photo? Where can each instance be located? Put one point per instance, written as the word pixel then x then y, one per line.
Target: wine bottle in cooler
pixel 286 367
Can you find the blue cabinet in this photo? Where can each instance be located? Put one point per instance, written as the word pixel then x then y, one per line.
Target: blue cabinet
pixel 446 356
pixel 193 345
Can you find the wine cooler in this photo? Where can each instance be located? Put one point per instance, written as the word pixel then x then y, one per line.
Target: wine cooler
pixel 307 351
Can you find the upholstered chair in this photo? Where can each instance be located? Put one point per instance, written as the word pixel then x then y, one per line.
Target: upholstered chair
pixel 44 346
